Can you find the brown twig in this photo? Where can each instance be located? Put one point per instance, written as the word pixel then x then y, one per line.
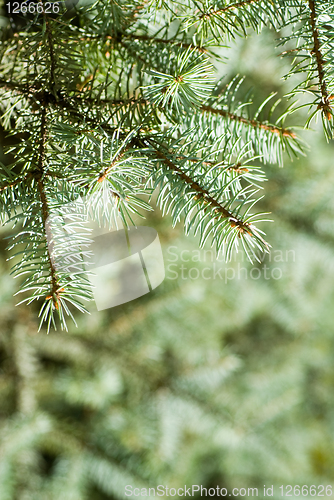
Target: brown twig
pixel 324 104
pixel 237 5
pixel 104 174
pixel 146 38
pixel 52 81
pixel 16 182
pixel 166 41
pixel 238 168
pixel 38 175
pixel 253 123
pixel 241 226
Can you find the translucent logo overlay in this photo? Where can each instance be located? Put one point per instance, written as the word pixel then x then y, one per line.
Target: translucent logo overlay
pixel 122 264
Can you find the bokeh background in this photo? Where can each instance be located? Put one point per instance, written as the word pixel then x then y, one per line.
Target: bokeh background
pixel 212 382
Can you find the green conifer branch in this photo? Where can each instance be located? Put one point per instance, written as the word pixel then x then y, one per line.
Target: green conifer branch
pixel 324 104
pixel 229 7
pixel 204 194
pixel 108 110
pixel 207 202
pixel 252 123
pixel 18 181
pixel 124 37
pixel 39 176
pixel 313 57
pixel 52 81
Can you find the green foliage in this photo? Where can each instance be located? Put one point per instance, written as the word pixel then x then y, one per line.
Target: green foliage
pixel 313 56
pixel 187 87
pixel 228 19
pixel 114 99
pixel 201 382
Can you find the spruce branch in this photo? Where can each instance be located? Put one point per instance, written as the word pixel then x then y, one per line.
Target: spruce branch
pixel 235 18
pixel 167 41
pixel 114 162
pixel 52 81
pixel 20 180
pixel 115 103
pixel 186 86
pixel 313 58
pixel 212 214
pixel 252 123
pixel 128 37
pixel 203 193
pixel 218 12
pixel 226 113
pixel 45 215
pixel 324 104
pixel 39 176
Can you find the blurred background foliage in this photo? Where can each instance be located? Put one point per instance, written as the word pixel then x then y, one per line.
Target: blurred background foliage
pixel 223 382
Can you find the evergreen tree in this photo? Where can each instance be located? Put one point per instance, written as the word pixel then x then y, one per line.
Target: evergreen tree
pixel 200 382
pixel 115 101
